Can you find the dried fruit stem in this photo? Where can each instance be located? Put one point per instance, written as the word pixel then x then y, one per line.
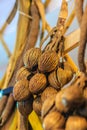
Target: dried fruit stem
pixel 83 41
pixel 79 9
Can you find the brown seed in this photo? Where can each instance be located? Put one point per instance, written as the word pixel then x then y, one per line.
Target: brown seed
pixel 37 105
pixel 26 107
pixel 22 73
pixel 48 61
pixel 31 58
pixel 76 123
pixel 53 80
pixel 48 106
pixel 21 90
pixel 68 98
pixel 53 121
pixel 64 76
pixel 37 83
pixel 48 92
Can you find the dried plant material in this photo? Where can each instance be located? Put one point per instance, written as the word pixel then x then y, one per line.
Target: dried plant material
pixel 68 98
pixel 83 41
pixel 53 80
pixel 64 76
pixel 6 113
pixel 26 107
pixel 46 3
pixel 48 92
pixel 31 57
pixel 48 61
pixel 3 101
pixel 48 106
pixel 82 111
pixel 53 121
pixel 22 73
pixel 37 83
pixel 21 90
pixel 76 123
pixel 37 105
pixel 79 9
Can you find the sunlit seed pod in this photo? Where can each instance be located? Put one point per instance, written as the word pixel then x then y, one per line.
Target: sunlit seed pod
pixel 31 57
pixel 53 121
pixel 37 105
pixel 26 107
pixel 76 123
pixel 21 90
pixel 22 73
pixel 48 92
pixel 48 106
pixel 48 61
pixel 37 83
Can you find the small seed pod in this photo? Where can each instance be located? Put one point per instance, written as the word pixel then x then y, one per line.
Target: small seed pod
pixel 64 76
pixel 68 98
pixel 76 123
pixel 53 121
pixel 48 106
pixel 26 107
pixel 53 80
pixel 37 105
pixel 48 61
pixel 22 73
pixel 31 57
pixel 60 77
pixel 48 92
pixel 21 90
pixel 37 83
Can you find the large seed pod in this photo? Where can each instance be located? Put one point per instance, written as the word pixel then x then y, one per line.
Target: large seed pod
pixel 69 98
pixel 37 83
pixel 22 73
pixel 48 106
pixel 21 90
pixel 48 61
pixel 76 123
pixel 37 105
pixel 26 107
pixel 48 92
pixel 53 121
pixel 31 58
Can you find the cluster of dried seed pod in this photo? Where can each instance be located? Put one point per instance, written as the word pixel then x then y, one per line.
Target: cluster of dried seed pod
pixel 39 80
pixel 67 110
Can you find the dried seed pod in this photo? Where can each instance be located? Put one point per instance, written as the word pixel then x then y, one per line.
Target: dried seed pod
pixel 26 107
pixel 76 123
pixel 21 90
pixel 37 83
pixel 22 73
pixel 53 80
pixel 31 57
pixel 67 66
pixel 48 106
pixel 37 105
pixel 64 76
pixel 48 92
pixel 68 98
pixel 53 121
pixel 48 61
pixel 85 93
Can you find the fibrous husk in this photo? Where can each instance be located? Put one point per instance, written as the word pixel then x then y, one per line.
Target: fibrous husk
pixel 21 90
pixel 31 57
pixel 37 83
pixel 48 61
